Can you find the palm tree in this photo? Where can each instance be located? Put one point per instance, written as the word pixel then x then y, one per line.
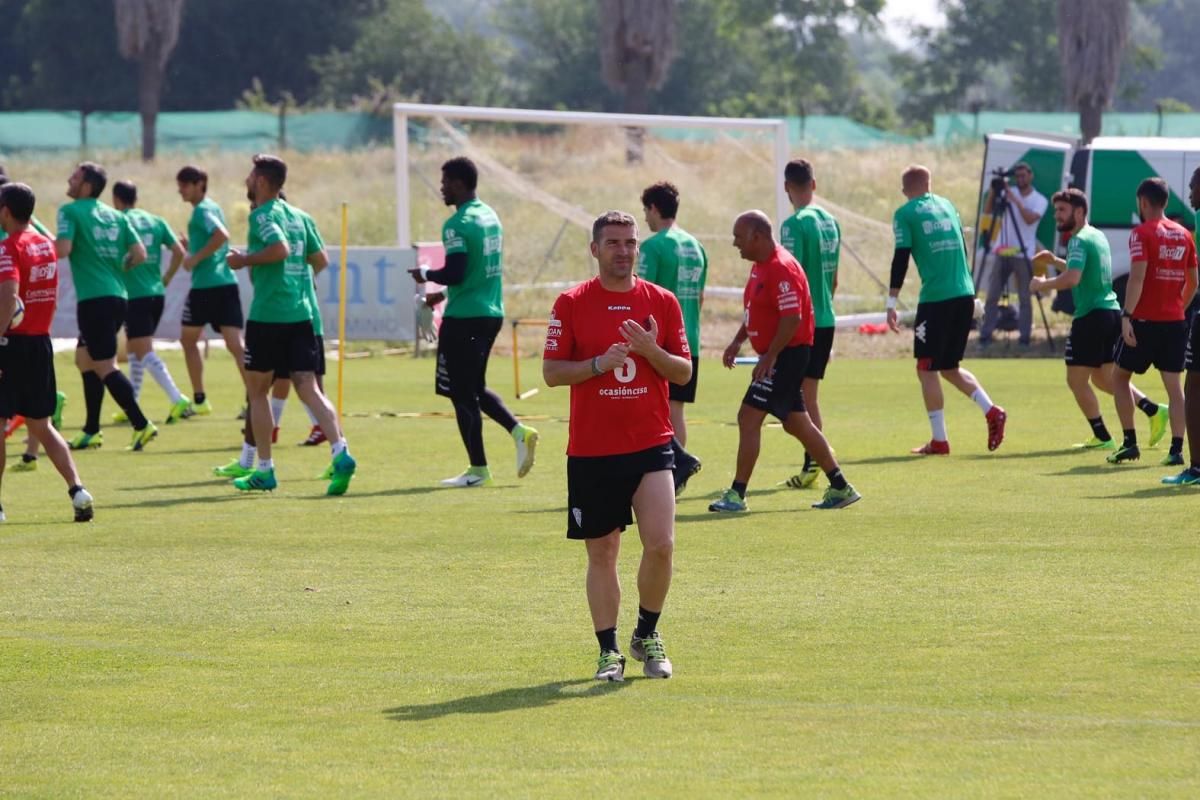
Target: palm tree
pixel 1091 43
pixel 147 31
pixel 637 46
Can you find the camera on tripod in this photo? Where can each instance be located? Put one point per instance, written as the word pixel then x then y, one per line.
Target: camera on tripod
pixel 999 180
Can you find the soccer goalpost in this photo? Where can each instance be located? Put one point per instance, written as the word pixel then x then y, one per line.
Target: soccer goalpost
pixel 757 171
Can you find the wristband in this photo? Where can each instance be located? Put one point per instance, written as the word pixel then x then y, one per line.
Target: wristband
pixel 596 366
pixel 891 303
pixel 1126 314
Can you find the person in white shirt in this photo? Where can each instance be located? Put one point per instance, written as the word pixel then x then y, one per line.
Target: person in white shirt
pixel 1028 205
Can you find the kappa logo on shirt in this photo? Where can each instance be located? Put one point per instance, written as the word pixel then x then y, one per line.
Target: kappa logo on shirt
pixel 620 308
pixel 784 287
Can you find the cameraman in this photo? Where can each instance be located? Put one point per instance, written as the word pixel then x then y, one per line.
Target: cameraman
pixel 1028 205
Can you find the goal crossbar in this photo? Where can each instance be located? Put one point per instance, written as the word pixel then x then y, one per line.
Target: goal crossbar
pixel 401 112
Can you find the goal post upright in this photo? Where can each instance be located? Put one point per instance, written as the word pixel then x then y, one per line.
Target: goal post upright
pixel 402 112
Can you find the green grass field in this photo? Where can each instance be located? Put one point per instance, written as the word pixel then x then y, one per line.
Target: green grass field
pixel 1016 624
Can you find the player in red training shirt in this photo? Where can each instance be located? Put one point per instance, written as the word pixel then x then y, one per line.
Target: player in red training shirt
pixel 1162 280
pixel 780 325
pixel 617 341
pixel 29 273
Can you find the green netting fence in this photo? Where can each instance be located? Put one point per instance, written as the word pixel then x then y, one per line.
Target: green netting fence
pixel 952 128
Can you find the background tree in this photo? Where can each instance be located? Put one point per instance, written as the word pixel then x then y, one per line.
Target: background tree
pixel 147 31
pixel 1091 40
pixel 637 46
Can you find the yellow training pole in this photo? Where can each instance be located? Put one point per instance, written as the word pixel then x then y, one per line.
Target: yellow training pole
pixel 342 309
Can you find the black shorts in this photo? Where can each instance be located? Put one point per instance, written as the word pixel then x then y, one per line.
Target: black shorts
pixel 99 320
pixel 687 392
pixel 600 489
pixel 283 374
pixel 218 306
pixel 1192 356
pixel 27 384
pixel 822 348
pixel 464 344
pixel 781 393
pixel 281 347
pixel 1162 345
pixel 1093 338
pixel 142 316
pixel 940 335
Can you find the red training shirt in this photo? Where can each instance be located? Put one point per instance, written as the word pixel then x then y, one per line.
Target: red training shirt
pixel 624 410
pixel 777 288
pixel 1169 252
pixel 28 258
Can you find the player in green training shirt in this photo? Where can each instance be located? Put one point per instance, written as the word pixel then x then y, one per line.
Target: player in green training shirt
pixel 146 286
pixel 1087 272
pixel 928 229
pixel 673 259
pixel 814 237
pixel 473 276
pixel 101 244
pixel 279 333
pixel 214 298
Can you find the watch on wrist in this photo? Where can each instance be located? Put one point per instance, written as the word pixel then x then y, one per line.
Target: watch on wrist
pixel 1126 314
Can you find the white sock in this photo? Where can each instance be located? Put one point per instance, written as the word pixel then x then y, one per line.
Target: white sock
pixel 937 421
pixel 982 400
pixel 339 447
pixel 277 406
pixel 311 416
pixel 248 453
pixel 266 464
pixel 135 374
pixel 162 375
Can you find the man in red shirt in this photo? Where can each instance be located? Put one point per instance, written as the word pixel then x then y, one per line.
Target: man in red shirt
pixel 29 278
pixel 1162 281
pixel 780 325
pixel 617 341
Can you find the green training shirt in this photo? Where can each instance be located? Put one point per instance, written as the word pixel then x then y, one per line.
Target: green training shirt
pixel 475 229
pixel 676 261
pixel 212 271
pixel 100 237
pixel 814 237
pixel 279 292
pixel 303 241
pixel 145 280
pixel 931 227
pixel 1088 252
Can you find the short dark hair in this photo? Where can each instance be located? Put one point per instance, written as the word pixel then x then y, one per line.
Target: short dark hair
pixel 94 176
pixel 663 196
pixel 192 174
pixel 126 192
pixel 1073 197
pixel 462 169
pixel 273 168
pixel 611 218
pixel 799 172
pixel 1155 191
pixel 18 199
pixel 1023 165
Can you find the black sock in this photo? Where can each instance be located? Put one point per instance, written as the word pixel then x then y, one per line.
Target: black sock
pixel 198 399
pixel 836 479
pixel 25 457
pixel 122 391
pixel 1130 438
pixel 93 400
pixel 647 623
pixel 1148 406
pixel 740 488
pixel 74 490
pixel 1176 445
pixel 491 404
pixel 608 640
pixel 808 462
pixel 1099 430
pixel 470 428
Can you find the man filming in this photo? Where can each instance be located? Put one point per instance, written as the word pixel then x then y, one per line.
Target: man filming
pixel 1013 249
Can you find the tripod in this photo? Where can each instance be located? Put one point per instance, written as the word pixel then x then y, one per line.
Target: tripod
pixel 1000 208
